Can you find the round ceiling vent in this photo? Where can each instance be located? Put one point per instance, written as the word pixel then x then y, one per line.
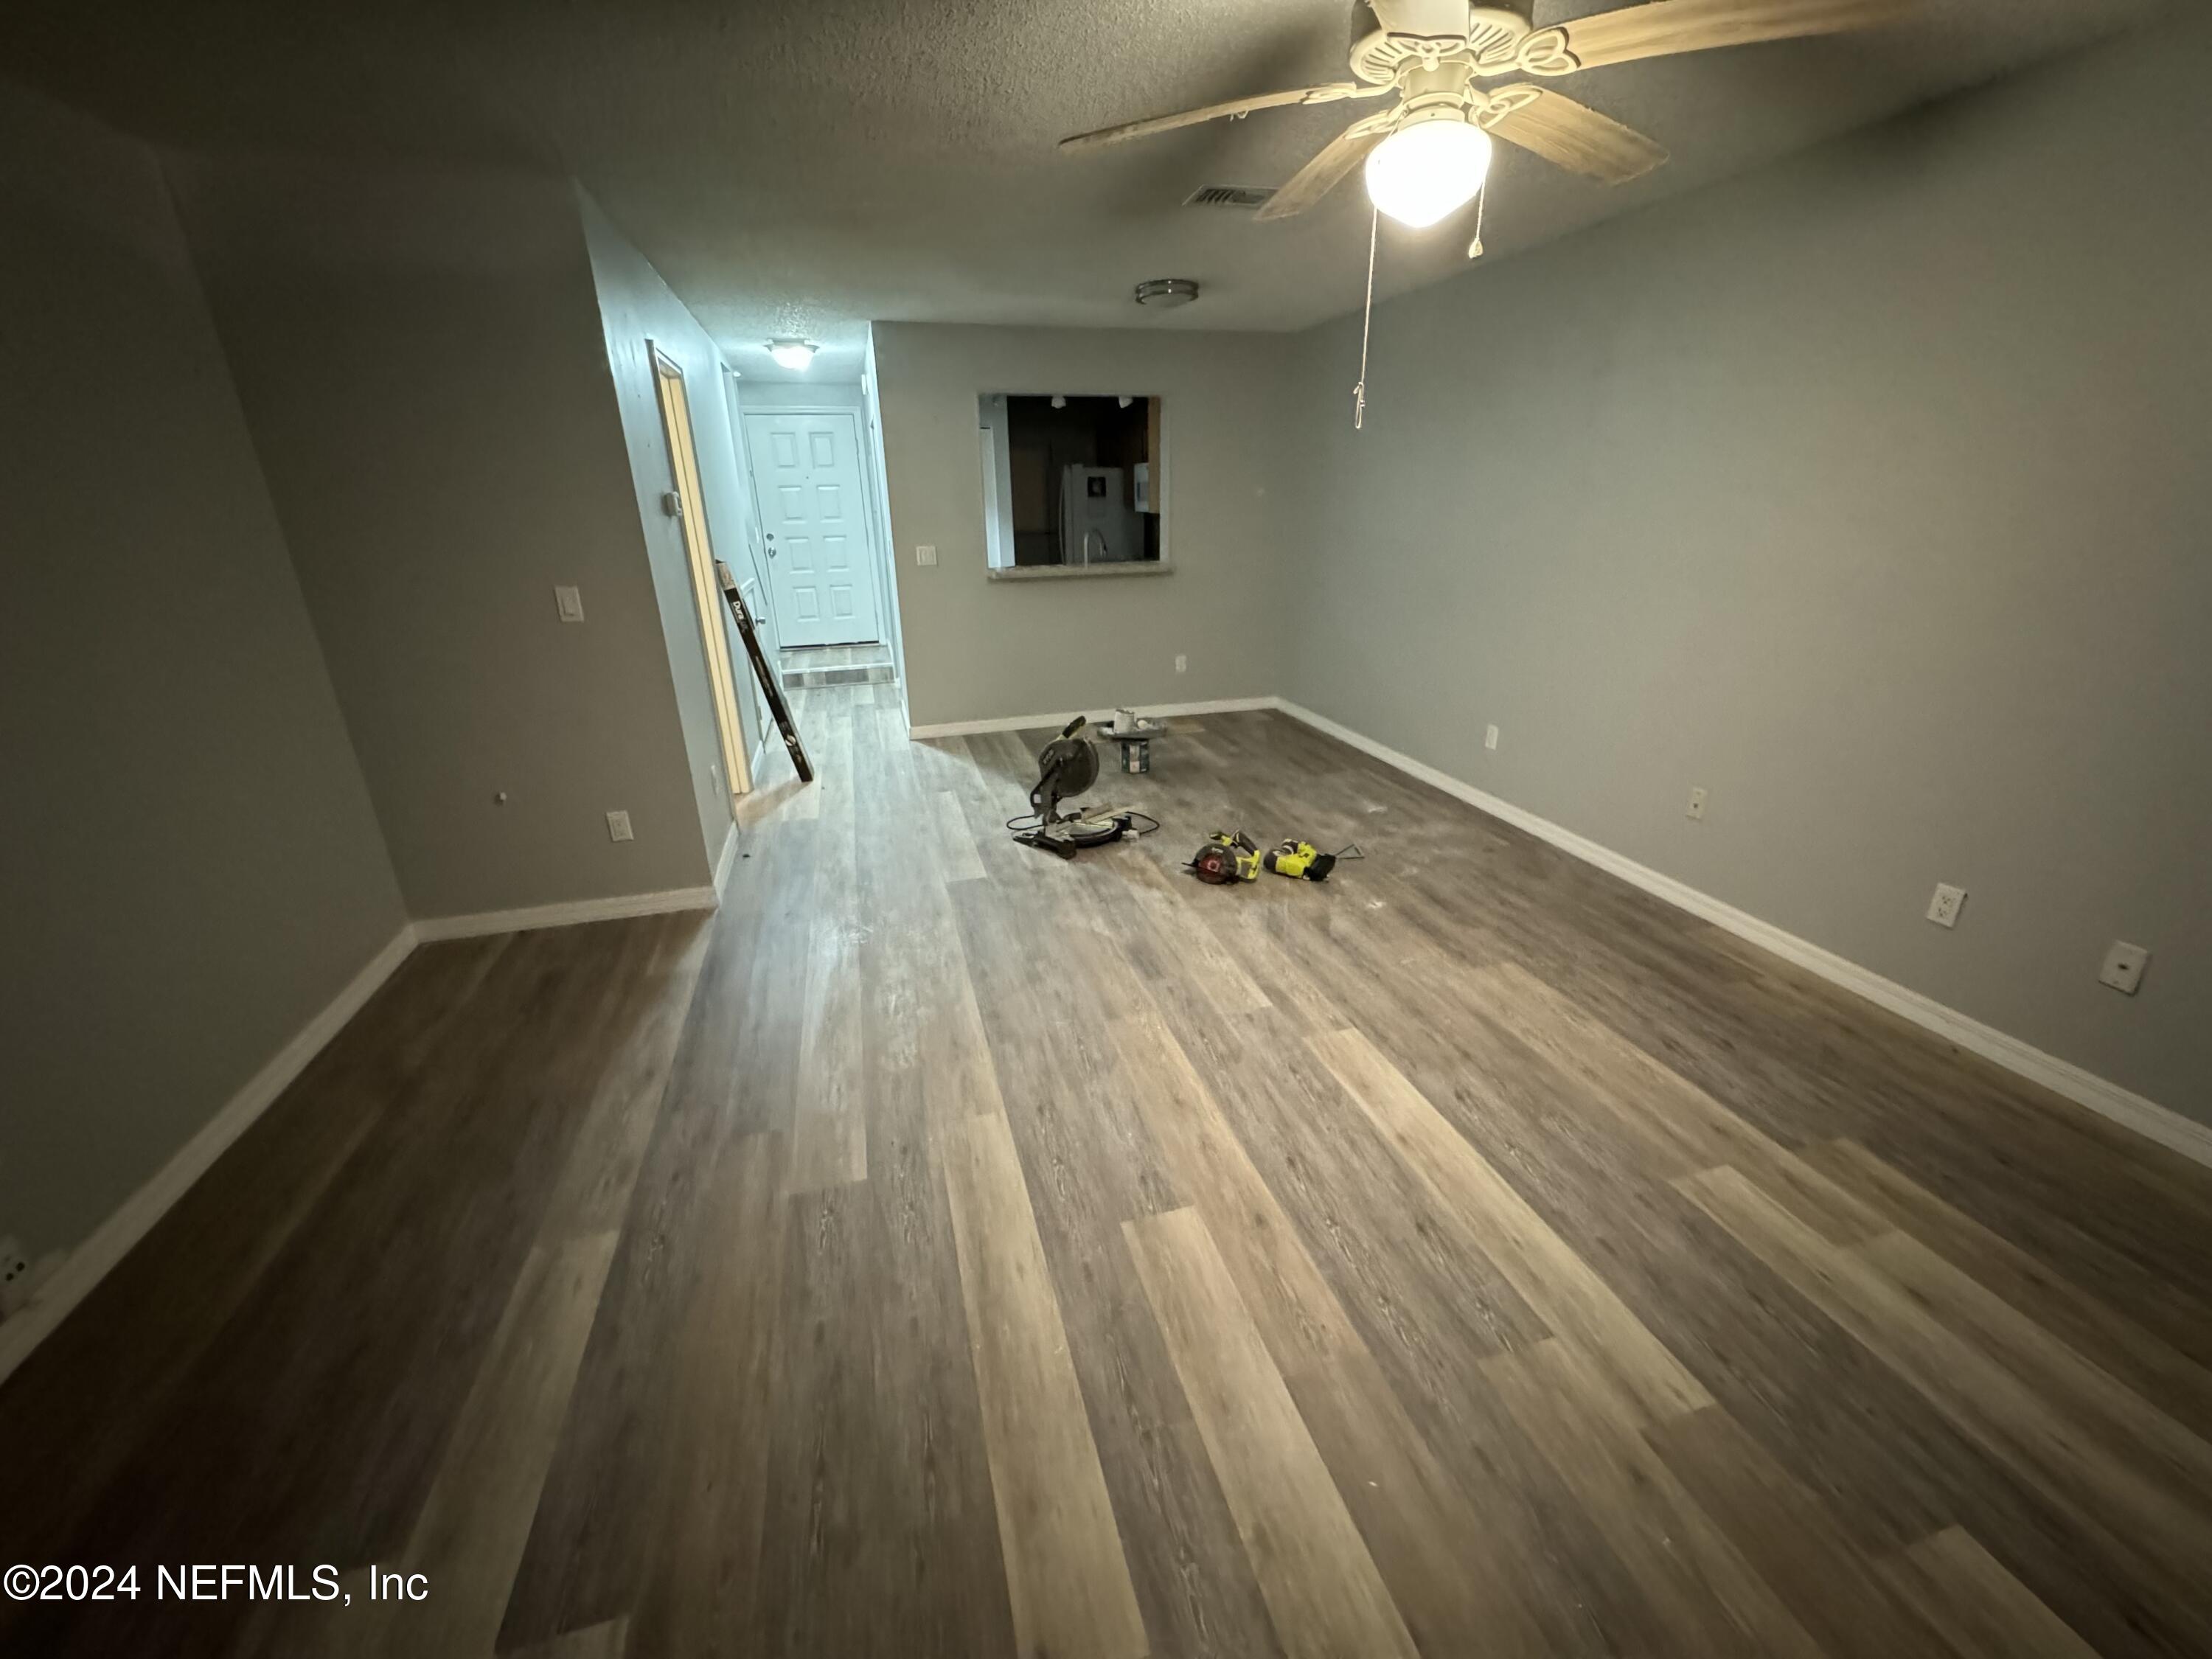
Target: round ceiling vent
pixel 1165 291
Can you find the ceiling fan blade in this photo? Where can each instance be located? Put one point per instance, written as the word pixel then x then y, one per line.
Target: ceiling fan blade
pixel 1325 171
pixel 1573 135
pixel 1191 118
pixel 1666 27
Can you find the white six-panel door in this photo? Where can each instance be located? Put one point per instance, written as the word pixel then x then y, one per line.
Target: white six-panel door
pixel 807 475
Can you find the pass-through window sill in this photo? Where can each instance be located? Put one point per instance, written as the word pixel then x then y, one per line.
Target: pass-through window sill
pixel 1053 573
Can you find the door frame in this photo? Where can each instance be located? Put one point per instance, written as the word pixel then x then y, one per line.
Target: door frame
pixel 878 535
pixel 699 560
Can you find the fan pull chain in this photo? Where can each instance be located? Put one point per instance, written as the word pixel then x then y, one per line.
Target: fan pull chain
pixel 1366 317
pixel 1481 201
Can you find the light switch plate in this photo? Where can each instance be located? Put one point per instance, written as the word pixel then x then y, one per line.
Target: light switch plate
pixel 618 826
pixel 570 601
pixel 2123 967
pixel 1696 807
pixel 924 554
pixel 1490 737
pixel 1944 909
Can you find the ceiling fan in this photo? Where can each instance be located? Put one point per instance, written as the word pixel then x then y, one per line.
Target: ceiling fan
pixel 1428 154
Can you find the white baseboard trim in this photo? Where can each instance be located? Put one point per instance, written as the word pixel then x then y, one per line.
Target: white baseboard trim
pixel 92 1260
pixel 1155 710
pixel 2162 1124
pixel 724 864
pixel 563 915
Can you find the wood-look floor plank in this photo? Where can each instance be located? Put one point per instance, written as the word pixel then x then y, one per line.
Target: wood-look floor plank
pixel 590 1552
pixel 1708 1598
pixel 1065 1574
pixel 1702 1132
pixel 1291 1303
pixel 333 1442
pixel 2127 1429
pixel 1090 1164
pixel 1541 1266
pixel 829 1137
pixel 1985 1611
pixel 1790 1538
pixel 1322 1590
pixel 2167 1378
pixel 593 1192
pixel 880 1531
pixel 699 1597
pixel 2167 1539
pixel 955 842
pixel 469 1537
pixel 1446 1555
pixel 1417 1287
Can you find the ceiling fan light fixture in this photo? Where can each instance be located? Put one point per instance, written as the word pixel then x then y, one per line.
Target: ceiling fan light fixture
pixel 1428 170
pixel 798 356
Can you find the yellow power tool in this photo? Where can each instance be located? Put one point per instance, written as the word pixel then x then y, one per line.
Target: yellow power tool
pixel 1226 858
pixel 1302 860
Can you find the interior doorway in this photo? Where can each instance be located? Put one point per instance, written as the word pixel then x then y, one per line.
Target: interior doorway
pixel 816 526
pixel 699 552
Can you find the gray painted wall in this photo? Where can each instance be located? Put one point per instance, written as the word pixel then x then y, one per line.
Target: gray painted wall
pixel 422 358
pixel 194 870
pixel 635 308
pixel 976 648
pixel 1866 492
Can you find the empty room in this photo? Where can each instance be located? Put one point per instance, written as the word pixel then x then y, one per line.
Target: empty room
pixel 1255 830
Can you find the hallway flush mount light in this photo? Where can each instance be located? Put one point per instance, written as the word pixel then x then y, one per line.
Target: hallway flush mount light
pixel 797 355
pixel 1429 168
pixel 1161 292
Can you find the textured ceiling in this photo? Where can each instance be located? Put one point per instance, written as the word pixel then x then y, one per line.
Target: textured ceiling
pixel 803 169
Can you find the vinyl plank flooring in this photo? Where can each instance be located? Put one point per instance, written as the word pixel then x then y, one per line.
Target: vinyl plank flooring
pixel 1557 1283
pixel 1789 1537
pixel 1447 1556
pixel 697 1597
pixel 1705 1597
pixel 944 1250
pixel 2167 1539
pixel 1985 1611
pixel 2163 1375
pixel 1065 1571
pixel 1322 1590
pixel 957 859
pixel 1298 1317
pixel 469 1538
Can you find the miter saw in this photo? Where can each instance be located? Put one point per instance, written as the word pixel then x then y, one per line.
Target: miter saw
pixel 1068 766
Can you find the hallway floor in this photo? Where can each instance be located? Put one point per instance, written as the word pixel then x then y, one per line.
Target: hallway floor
pixel 945 1250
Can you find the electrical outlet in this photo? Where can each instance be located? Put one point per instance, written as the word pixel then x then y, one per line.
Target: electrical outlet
pixel 2123 967
pixel 924 554
pixel 1182 663
pixel 1944 909
pixel 1696 807
pixel 1490 737
pixel 14 1276
pixel 570 603
pixel 618 826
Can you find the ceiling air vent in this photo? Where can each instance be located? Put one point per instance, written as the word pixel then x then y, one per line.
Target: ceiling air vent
pixel 1227 196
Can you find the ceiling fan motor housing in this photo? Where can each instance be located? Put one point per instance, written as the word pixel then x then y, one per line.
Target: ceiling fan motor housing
pixel 1386 35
